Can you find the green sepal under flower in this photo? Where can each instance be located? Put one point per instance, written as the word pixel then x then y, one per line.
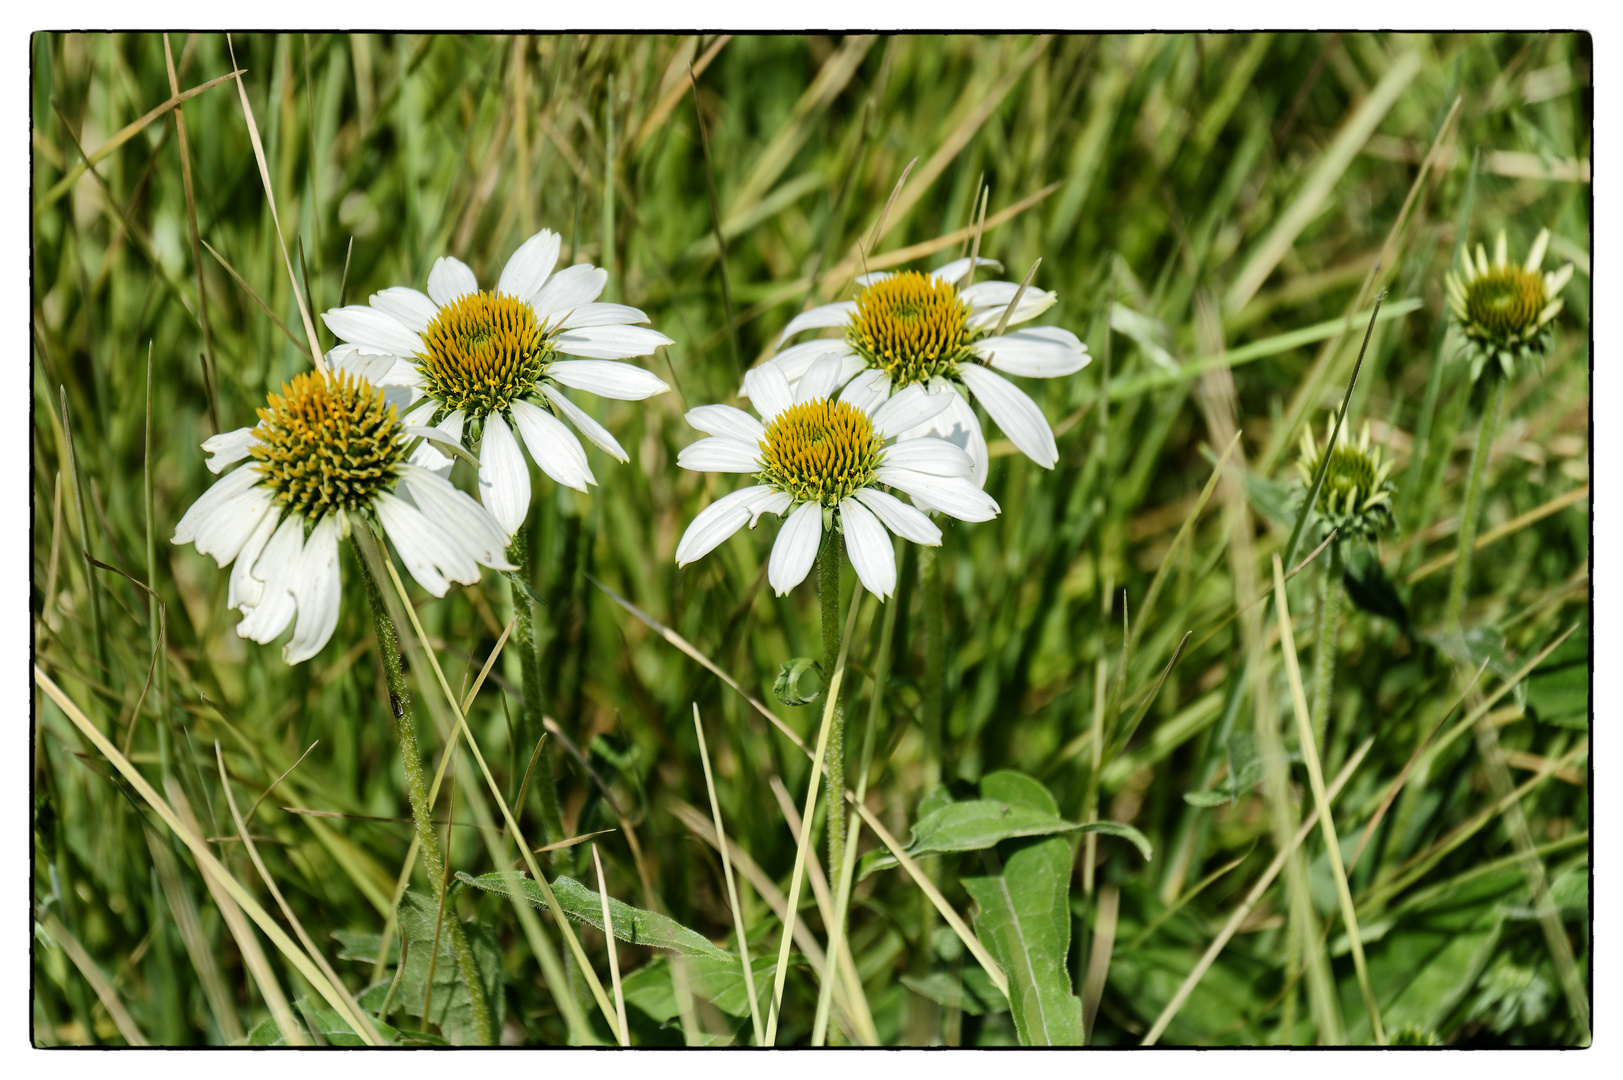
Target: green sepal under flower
pixel 1505 309
pixel 1356 497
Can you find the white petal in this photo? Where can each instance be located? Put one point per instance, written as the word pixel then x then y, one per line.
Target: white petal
pixel 504 478
pixel 1535 257
pixel 411 308
pixel 868 279
pixel 228 446
pixel 610 342
pixel 959 426
pixel 603 315
pixel 826 315
pixel 988 303
pixel 954 495
pixel 955 270
pixel 428 456
pixel 372 330
pixel 275 568
pixel 317 589
pixel 1014 412
pixel 938 457
pixel 796 359
pixel 717 522
pixel 552 445
pixel 720 453
pixel 768 501
pixel 224 490
pixel 728 421
pixel 363 363
pixel 898 517
pixel 795 549
pixel 605 378
pixel 851 365
pixel 912 406
pixel 225 531
pixel 450 280
pixel 416 538
pixel 595 432
pixel 245 589
pixel 460 515
pixel 873 556
pixel 527 268
pixel 1041 352
pixel 868 390
pixel 820 380
pixel 768 391
pixel 570 288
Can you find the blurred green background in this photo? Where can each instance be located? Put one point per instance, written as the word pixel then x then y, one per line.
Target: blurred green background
pixel 1209 209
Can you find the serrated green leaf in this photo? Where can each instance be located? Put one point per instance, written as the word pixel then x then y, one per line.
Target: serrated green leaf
pixel 634 926
pixel 720 982
pixel 449 1005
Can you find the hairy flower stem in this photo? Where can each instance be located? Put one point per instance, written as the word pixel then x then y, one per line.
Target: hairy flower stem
pixel 428 842
pixel 1485 433
pixel 532 726
pixel 934 662
pixel 828 591
pixel 1324 651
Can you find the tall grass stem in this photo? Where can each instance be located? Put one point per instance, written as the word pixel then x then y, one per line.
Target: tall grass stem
pixel 1486 430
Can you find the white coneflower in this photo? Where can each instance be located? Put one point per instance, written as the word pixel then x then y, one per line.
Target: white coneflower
pixel 1505 309
pixel 914 329
pixel 1356 497
pixel 822 463
pixel 328 455
pixel 484 363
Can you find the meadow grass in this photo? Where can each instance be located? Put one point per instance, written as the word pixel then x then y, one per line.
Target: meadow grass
pixel 222 842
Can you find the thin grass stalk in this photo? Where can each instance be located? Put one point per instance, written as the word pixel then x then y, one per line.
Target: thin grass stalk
pixel 1487 428
pixel 531 727
pixel 1321 802
pixel 829 559
pixel 1324 647
pixel 428 844
pixel 614 957
pixel 732 886
pixel 157 632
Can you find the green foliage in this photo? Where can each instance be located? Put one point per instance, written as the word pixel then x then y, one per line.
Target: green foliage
pixel 652 987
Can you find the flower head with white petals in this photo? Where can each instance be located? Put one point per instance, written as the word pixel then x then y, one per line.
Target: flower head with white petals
pixel 823 463
pixel 478 364
pixel 328 450
pixel 1505 309
pixel 931 330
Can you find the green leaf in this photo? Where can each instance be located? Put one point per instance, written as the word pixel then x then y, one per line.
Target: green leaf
pixel 1558 689
pixel 1370 588
pixel 1276 502
pixel 720 982
pixel 631 925
pixel 968 994
pixel 1025 922
pixel 450 1008
pixel 787 684
pixel 1245 772
pixel 336 1031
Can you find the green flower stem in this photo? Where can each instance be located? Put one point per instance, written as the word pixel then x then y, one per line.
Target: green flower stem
pixel 1324 650
pixel 934 662
pixel 428 842
pixel 828 591
pixel 1485 433
pixel 531 726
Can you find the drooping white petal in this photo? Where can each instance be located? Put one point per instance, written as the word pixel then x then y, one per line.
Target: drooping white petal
pixel 457 512
pixel 728 421
pixel 955 270
pixel 450 280
pixel 504 478
pixel 873 556
pixel 411 308
pixel 610 342
pixel 1014 412
pixel 988 304
pixel 959 426
pixel 953 495
pixel 594 431
pixel 552 445
pixel 244 588
pixel 527 268
pixel 223 491
pixel 934 456
pixel 767 500
pixel 606 378
pixel 603 315
pixel 717 522
pixel 795 549
pixel 868 390
pixel 569 289
pixel 768 391
pixel 373 330
pixel 908 408
pixel 275 568
pixel 720 453
pixel 827 315
pixel 225 531
pixel 416 538
pixel 317 589
pixel 428 456
pixel 796 359
pixel 1040 352
pixel 227 447
pixel 898 517
pixel 820 380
